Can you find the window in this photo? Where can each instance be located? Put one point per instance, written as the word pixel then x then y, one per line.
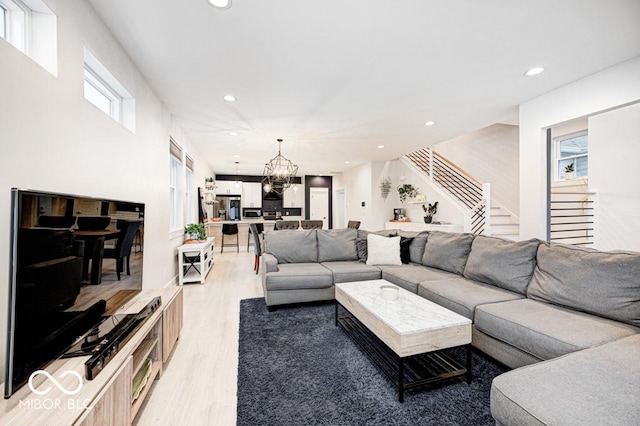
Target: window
pixel 572 149
pixel 104 91
pixel 191 195
pixel 31 27
pixel 176 190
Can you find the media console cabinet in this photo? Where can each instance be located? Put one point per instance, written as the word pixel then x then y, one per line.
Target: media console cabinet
pixel 108 399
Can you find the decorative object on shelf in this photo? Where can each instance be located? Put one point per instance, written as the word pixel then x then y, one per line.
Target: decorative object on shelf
pixel 279 173
pixel 430 211
pixel 421 198
pixel 385 187
pixel 568 171
pixel 195 231
pixel 407 191
pixel 209 190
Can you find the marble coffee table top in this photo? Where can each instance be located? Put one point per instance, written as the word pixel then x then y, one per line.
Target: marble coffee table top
pixel 408 314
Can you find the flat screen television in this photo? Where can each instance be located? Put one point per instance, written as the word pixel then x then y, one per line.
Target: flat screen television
pixel 75 260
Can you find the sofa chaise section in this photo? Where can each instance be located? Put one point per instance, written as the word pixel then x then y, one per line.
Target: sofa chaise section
pixel 597 386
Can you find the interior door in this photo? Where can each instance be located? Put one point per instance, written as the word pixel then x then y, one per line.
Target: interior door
pixel 319 205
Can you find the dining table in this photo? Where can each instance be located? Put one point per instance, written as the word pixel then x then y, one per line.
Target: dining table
pixel 94 251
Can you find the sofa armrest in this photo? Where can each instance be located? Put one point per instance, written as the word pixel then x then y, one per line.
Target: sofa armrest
pixel 269 262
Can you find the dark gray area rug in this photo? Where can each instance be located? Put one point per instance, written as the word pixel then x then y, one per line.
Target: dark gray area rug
pixel 297 368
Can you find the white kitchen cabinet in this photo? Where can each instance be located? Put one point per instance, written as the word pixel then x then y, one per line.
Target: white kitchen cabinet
pixel 252 194
pixel 228 187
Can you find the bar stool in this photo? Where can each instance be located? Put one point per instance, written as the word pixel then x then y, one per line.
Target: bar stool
pixel 259 229
pixel 253 230
pixel 230 229
pixel 287 224
pixel 311 224
pixel 355 224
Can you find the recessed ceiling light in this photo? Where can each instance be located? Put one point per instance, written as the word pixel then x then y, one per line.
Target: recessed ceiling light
pixel 347 162
pixel 229 98
pixel 380 146
pixel 534 71
pixel 220 4
pixel 233 133
pixel 236 156
pixel 429 123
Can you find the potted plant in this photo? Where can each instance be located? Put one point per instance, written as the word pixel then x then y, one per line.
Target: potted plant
pixel 568 171
pixel 196 231
pixel 407 191
pixel 430 210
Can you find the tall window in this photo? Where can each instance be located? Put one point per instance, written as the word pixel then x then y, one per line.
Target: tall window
pixel 176 187
pixel 31 27
pixel 191 196
pixel 572 149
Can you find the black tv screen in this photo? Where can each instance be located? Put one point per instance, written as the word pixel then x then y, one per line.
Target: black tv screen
pixel 74 261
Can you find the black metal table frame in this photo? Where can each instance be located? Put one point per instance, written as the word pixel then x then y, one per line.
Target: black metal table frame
pixel 404 372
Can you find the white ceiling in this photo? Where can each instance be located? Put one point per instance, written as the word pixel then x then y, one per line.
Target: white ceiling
pixel 337 78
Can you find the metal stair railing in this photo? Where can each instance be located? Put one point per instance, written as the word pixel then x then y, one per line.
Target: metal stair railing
pixel 469 191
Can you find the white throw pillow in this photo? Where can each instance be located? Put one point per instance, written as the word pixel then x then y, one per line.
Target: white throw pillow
pixel 383 250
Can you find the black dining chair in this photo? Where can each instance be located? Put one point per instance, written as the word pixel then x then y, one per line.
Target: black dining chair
pixel 355 224
pixel 124 242
pixel 311 224
pixel 287 224
pixel 230 229
pixel 255 231
pixel 259 229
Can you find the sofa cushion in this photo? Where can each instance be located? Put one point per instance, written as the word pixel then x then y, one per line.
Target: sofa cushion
pixel 352 271
pixel 292 246
pixel 337 244
pixel 361 241
pixel 409 276
pixel 416 249
pixel 596 386
pixel 299 276
pixel 504 263
pixel 405 249
pixel 601 283
pixel 546 331
pixel 462 295
pixel 383 250
pixel 447 251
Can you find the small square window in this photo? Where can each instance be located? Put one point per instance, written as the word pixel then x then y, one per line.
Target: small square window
pixel 572 149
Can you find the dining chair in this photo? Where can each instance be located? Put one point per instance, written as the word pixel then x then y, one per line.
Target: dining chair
pixel 124 242
pixel 259 228
pixel 257 247
pixel 287 224
pixel 355 224
pixel 311 224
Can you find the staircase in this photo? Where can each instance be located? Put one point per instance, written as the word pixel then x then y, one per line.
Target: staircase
pixel 482 215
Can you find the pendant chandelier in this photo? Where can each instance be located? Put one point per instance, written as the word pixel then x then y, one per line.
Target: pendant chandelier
pixel 279 173
pixel 209 191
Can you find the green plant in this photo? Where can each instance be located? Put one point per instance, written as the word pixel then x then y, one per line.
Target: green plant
pixel 568 168
pixel 407 191
pixel 196 231
pixel 430 209
pixel 208 179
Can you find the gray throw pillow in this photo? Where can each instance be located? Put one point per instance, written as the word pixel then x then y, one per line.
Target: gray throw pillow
pixel 503 263
pixel 337 245
pixel 447 251
pixel 602 283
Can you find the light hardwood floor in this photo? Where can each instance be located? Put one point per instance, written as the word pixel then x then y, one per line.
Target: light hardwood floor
pixel 199 384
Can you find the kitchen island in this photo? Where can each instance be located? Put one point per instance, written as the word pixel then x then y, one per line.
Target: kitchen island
pixel 214 229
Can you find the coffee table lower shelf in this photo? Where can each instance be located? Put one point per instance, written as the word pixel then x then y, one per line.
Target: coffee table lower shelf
pixel 404 372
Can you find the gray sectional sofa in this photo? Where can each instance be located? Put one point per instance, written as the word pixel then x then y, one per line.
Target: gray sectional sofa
pixel 567 319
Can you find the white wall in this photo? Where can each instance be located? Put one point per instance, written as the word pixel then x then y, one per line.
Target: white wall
pixel 608 89
pixel 490 155
pixel 614 153
pixel 54 140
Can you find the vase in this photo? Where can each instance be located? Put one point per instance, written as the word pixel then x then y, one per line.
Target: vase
pixel 568 175
pixel 428 219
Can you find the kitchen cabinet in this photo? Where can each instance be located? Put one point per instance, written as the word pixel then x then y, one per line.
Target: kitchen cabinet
pixel 252 194
pixel 228 187
pixel 293 198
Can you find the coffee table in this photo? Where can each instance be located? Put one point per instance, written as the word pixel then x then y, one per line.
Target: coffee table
pixel 405 337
